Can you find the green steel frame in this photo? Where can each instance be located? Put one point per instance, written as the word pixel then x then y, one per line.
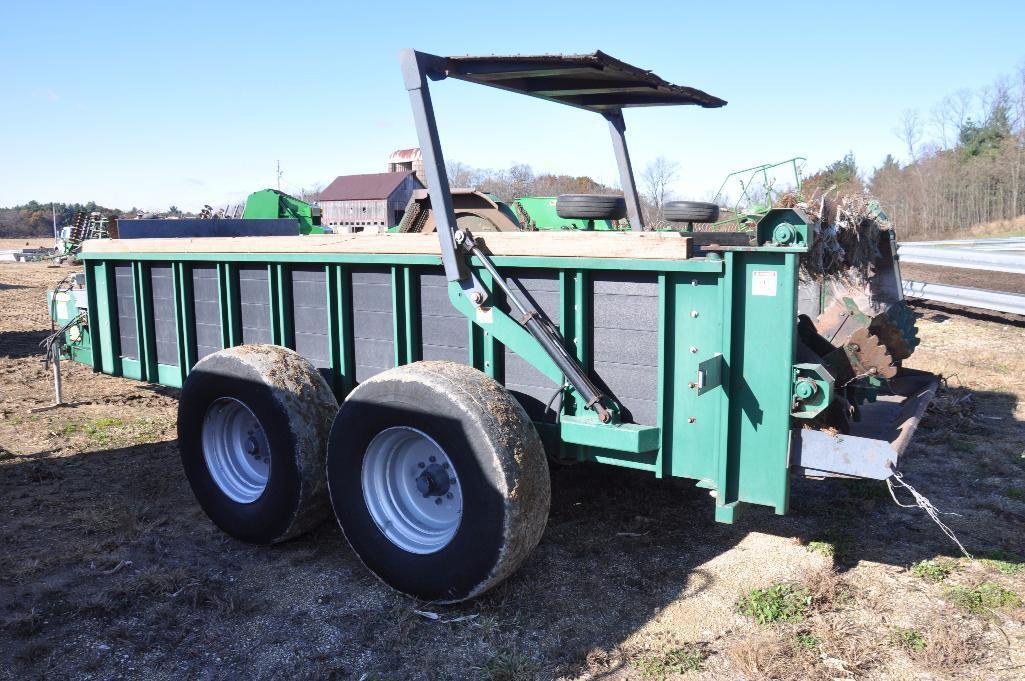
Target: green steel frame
pixel 732 436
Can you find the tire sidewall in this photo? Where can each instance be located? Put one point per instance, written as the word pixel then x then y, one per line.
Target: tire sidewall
pixel 455 571
pixel 269 517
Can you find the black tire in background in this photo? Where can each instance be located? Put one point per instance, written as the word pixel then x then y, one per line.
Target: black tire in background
pixel 495 453
pixel 294 407
pixel 590 207
pixel 691 211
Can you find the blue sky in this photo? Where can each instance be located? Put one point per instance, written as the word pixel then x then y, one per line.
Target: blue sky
pixel 157 103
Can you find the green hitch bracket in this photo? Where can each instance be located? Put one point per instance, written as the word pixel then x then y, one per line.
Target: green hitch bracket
pixel 784 227
pixel 812 391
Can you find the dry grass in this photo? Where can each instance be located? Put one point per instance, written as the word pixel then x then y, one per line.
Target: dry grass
pixel 948 648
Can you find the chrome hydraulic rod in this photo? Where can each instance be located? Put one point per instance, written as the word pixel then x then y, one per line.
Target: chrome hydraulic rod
pixel 542 331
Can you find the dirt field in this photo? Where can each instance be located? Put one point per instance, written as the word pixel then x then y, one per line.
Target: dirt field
pixel 108 568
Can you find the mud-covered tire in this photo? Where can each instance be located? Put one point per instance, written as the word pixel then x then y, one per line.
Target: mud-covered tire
pixel 691 211
pixel 293 406
pixel 590 207
pixel 500 478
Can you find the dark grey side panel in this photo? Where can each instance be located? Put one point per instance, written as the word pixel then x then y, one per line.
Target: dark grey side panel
pixel 625 344
pixel 126 311
pixel 372 321
pixel 207 310
pixel 165 328
pixel 444 330
pixel 309 300
pixel 532 388
pixel 254 291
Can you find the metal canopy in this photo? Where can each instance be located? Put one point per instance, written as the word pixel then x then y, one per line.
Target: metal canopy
pixel 595 82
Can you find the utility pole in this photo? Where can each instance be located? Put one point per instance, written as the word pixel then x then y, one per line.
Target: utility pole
pixel 53 209
pixel 279 175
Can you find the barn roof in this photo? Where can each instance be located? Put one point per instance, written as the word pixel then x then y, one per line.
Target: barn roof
pixel 364 187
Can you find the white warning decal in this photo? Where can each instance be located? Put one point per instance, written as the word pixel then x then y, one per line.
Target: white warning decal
pixel 763 283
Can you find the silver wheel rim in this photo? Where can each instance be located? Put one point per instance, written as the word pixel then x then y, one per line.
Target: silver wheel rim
pixel 412 490
pixel 236 450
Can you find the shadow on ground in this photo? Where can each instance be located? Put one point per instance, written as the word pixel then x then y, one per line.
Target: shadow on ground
pixel 17 344
pixel 109 567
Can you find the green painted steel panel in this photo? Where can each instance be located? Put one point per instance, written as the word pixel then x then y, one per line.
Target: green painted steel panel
pixel 169 375
pixel 131 368
pixel 763 317
pixel 694 316
pixel 733 438
pixel 625 437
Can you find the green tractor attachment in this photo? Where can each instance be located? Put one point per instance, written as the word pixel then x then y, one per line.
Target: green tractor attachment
pixel 271 204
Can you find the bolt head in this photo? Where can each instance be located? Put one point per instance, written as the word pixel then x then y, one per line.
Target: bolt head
pixel 432 459
pixel 693 313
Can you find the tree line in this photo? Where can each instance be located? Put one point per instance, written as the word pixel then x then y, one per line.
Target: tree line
pixel 965 167
pixel 35 219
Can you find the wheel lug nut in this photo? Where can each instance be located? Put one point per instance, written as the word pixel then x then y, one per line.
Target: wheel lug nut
pixel 432 459
pixel 438 501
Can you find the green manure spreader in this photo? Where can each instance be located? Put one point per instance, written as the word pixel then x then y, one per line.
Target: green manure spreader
pixel 416 385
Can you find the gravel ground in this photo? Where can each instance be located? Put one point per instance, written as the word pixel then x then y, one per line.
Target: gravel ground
pixel 108 568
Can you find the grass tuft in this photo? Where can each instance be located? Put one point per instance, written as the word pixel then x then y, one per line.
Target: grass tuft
pixel 807 640
pixel 908 639
pixel 983 598
pixel 823 548
pixel 1007 563
pixel 934 570
pixel 786 602
pixel 510 665
pixel 678 661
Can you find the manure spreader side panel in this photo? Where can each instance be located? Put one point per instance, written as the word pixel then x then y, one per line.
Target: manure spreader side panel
pixel 697 354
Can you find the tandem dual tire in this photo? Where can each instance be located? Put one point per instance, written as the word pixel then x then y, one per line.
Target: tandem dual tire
pixel 253 423
pixel 437 477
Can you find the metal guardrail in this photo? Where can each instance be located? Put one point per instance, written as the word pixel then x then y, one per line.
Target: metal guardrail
pixel 969 297
pixel 966 258
pixel 999 254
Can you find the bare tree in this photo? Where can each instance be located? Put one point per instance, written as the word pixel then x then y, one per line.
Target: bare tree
pixel 311 193
pixel 657 178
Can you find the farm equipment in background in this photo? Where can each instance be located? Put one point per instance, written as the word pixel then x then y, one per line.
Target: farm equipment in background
pixel 758 192
pixel 272 204
pixel 84 226
pixel 267 212
pixel 541 213
pixel 482 211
